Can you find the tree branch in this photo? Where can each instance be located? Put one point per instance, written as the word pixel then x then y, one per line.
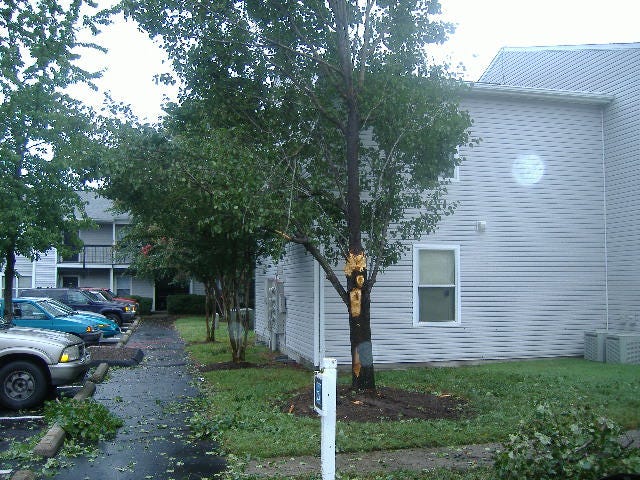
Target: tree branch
pixel 324 264
pixel 366 38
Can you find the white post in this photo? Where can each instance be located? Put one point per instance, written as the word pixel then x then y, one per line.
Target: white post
pixel 327 411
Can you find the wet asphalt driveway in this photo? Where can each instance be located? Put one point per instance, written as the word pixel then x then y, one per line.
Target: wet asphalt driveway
pixel 151 398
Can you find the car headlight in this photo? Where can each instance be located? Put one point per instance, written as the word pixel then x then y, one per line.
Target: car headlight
pixel 127 308
pixel 70 354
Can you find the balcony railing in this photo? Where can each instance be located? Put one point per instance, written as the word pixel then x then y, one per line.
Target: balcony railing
pixel 96 255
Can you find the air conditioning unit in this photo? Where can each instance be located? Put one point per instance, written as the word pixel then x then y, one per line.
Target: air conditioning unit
pixel 623 348
pixel 594 345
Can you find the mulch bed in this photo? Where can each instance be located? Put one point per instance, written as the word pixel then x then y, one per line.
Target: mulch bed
pixel 385 404
pixel 210 367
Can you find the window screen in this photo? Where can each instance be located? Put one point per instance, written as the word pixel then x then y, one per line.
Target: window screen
pixel 436 289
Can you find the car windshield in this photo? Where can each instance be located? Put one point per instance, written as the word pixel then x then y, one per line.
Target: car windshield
pixel 93 296
pixel 52 309
pixel 101 295
pixel 61 306
pixel 107 294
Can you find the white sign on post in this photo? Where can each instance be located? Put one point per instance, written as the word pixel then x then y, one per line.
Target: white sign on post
pixel 324 402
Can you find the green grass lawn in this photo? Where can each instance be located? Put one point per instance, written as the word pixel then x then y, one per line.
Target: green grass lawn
pixel 242 406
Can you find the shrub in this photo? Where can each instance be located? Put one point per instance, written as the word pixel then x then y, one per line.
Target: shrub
pixel 84 420
pixel 185 304
pixel 145 304
pixel 576 445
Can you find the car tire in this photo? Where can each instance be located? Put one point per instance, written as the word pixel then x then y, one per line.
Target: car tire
pixel 115 317
pixel 23 384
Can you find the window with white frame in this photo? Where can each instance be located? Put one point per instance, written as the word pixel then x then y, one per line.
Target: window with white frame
pixel 19 283
pixel 22 282
pixel 453 173
pixel 123 285
pixel 436 284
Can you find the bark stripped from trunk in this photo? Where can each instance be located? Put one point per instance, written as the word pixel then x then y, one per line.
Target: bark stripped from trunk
pixel 362 372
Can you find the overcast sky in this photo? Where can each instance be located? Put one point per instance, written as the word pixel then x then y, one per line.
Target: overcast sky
pixel 483 27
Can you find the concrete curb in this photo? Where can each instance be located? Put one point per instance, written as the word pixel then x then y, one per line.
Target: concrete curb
pixel 24 475
pixel 100 373
pixel 53 440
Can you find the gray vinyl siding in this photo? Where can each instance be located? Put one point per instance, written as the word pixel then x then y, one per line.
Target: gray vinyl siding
pixel 142 287
pixel 337 343
pixel 42 272
pixel 533 282
pixel 46 270
pixel 94 278
pixel 614 70
pixel 24 268
pixel 299 281
pixel 101 235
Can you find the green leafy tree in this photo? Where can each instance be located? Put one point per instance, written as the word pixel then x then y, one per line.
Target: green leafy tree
pixel 47 139
pixel 181 256
pixel 341 93
pixel 199 203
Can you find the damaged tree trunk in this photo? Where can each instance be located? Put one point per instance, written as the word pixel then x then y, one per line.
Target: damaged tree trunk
pixel 362 372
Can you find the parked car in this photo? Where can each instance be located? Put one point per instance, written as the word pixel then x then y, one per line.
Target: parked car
pixel 40 313
pixel 109 327
pixel 33 361
pixel 109 296
pixel 80 300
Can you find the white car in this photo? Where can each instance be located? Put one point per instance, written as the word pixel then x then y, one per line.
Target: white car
pixel 34 360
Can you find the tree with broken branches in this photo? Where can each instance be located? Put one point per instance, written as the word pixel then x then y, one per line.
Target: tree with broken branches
pixel 365 129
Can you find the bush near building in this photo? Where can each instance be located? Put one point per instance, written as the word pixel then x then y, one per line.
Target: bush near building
pixel 186 304
pixel 145 304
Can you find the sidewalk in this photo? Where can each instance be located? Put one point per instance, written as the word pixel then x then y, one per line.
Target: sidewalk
pixel 151 399
pixel 414 459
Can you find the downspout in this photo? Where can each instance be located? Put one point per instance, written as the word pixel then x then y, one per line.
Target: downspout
pixel 112 283
pixel 323 328
pixel 319 325
pixel 113 245
pixel 604 193
pixel 316 315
